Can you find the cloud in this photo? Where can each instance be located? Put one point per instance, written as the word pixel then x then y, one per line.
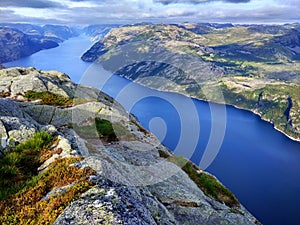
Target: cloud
pixel 167 2
pixel 84 12
pixel 38 4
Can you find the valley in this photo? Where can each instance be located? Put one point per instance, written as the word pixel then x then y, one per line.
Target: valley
pixel 178 58
pixel 241 61
pixel 150 112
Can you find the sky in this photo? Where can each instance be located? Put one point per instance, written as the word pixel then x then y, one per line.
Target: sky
pixel 85 12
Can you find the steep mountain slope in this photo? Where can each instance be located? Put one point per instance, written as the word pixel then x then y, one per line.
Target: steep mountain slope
pixel 59 32
pixel 14 44
pixel 188 62
pixel 20 40
pixel 55 33
pixel 111 170
pixel 98 31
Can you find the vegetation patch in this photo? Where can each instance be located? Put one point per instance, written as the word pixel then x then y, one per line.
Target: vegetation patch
pixel 20 165
pixel 23 189
pixel 105 130
pixel 207 183
pixel 48 98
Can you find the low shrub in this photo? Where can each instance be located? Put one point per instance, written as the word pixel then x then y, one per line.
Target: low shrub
pixel 48 98
pixel 19 165
pixel 22 189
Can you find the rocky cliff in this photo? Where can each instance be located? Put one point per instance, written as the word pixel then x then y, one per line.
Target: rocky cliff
pixel 72 155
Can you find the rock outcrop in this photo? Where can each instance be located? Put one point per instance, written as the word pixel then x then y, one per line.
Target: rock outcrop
pixel 134 182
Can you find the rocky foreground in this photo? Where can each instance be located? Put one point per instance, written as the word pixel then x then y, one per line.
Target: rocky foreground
pixel 72 155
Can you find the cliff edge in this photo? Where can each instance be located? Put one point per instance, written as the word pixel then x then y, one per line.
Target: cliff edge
pixel 72 155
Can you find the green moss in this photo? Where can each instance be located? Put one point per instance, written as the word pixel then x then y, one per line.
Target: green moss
pixel 105 130
pixel 207 183
pixel 48 98
pixel 234 35
pixel 123 134
pixel 144 36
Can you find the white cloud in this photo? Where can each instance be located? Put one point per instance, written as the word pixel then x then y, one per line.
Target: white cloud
pixel 131 11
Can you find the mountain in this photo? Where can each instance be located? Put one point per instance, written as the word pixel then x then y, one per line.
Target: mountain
pixel 254 67
pixel 72 155
pixel 57 33
pixel 19 40
pixel 202 28
pixel 98 31
pixel 14 44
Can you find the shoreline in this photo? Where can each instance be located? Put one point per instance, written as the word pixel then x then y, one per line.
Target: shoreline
pixel 226 104
pixel 257 114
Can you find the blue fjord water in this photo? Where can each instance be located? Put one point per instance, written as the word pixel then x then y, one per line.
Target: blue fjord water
pixel 259 164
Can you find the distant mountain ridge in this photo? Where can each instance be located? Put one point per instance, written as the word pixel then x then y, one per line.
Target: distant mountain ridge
pixel 15 44
pixel 55 33
pixel 20 40
pixel 98 31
